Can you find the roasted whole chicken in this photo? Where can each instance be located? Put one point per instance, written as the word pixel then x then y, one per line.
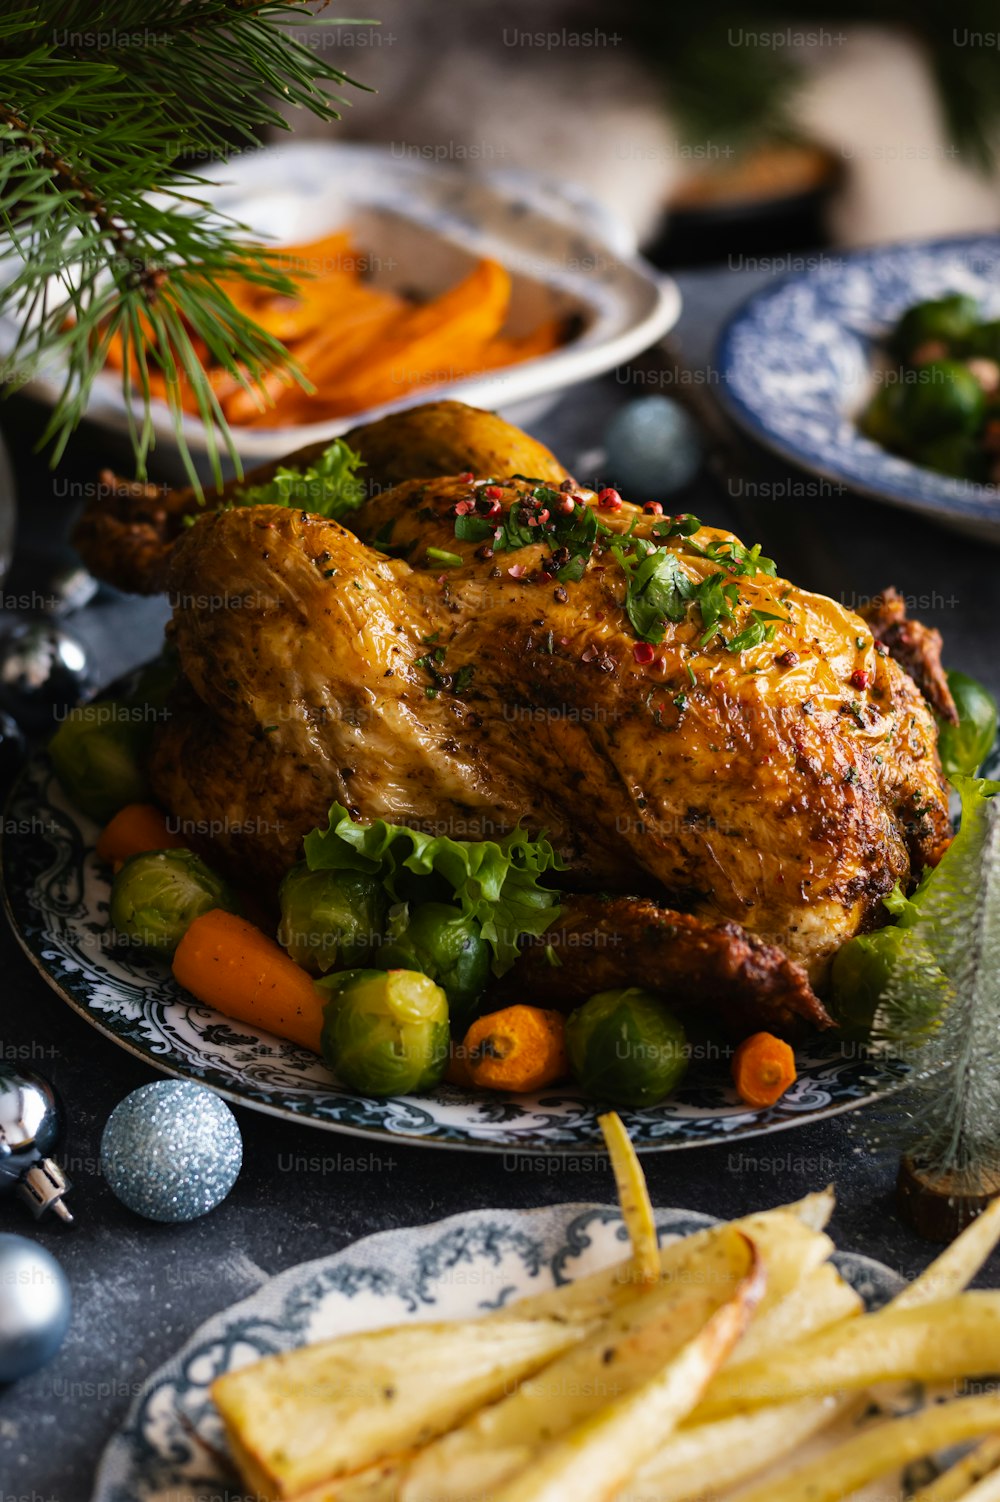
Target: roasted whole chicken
pixel 733 793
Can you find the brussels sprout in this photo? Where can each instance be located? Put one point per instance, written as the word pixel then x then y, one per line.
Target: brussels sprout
pixel 984 341
pixel 626 1048
pixel 330 919
pixel 385 1032
pixel 97 753
pixel 442 942
pixel 947 399
pixel 156 897
pixel 949 319
pixel 881 420
pixel 965 746
pixel 859 976
pixel 960 455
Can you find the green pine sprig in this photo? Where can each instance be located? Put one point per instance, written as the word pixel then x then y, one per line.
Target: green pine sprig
pixel 104 106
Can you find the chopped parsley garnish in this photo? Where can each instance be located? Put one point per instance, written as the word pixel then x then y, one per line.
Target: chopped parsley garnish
pixel 736 558
pixel 657 588
pixel 756 632
pixel 676 526
pixel 442 556
pixel 571 535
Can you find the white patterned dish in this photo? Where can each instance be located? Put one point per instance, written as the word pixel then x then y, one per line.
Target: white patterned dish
pixel 56 893
pixel 423 224
pixel 796 367
pixel 169 1445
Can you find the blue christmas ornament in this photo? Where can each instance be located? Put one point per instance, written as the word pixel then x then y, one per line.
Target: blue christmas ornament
pixel 171 1151
pixel 34 1307
pixel 652 448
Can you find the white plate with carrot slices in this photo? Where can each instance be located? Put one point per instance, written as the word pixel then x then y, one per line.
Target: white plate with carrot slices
pixel 411 277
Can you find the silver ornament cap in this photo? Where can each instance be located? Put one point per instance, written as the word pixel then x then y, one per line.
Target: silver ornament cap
pixel 35 1305
pixel 171 1151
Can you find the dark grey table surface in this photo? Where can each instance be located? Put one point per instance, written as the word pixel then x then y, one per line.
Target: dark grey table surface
pixel 140 1289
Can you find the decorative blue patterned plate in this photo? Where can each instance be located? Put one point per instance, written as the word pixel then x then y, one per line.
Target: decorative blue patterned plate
pixel 56 893
pixel 170 1443
pixel 796 366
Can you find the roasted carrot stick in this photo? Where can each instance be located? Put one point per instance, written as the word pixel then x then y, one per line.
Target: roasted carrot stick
pixel 135 829
pixel 229 964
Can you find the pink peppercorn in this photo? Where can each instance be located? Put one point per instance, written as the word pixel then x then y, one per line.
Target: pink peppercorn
pixel 653 508
pixel 859 678
pixel 609 500
pixel 643 653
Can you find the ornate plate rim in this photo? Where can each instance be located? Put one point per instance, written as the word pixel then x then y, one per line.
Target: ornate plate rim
pixel 736 1126
pixel 571 1220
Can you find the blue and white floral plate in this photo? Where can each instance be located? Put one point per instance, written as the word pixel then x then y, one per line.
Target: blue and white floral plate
pixel 56 893
pixel 797 365
pixel 171 1443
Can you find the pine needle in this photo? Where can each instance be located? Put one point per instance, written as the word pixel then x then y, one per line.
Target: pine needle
pixel 101 104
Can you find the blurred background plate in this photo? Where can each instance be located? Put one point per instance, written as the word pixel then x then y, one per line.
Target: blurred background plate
pixel 423 225
pixel 796 367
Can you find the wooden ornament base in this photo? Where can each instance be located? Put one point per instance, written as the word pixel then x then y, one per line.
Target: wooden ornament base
pixel 936 1207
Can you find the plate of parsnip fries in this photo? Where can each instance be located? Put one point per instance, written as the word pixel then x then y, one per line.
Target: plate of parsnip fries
pixel 516 1357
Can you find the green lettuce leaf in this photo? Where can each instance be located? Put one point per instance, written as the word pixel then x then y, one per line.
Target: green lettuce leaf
pixel 494 881
pixel 330 487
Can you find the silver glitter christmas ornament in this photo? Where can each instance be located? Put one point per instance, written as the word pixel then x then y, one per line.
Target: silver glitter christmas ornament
pixel 171 1151
pixel 34 1307
pixel 652 448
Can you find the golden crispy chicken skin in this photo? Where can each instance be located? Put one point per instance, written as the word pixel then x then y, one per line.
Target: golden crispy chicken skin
pixel 786 787
pixel 126 534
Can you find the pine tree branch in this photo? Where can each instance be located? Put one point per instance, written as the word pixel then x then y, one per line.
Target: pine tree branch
pixel 98 100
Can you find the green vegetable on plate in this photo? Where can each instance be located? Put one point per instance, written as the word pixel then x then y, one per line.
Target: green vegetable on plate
pixel 447 945
pixel 496 882
pixel 949 320
pixel 984 340
pixel 626 1048
pixel 98 753
pixel 385 1032
pixel 965 746
pixel 943 400
pixel 156 896
pixel 330 920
